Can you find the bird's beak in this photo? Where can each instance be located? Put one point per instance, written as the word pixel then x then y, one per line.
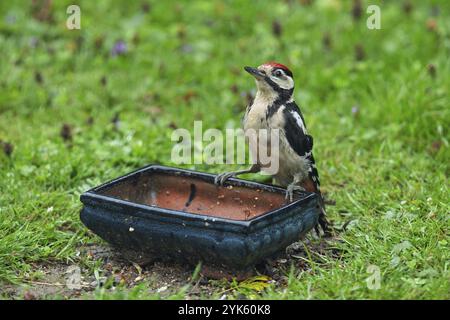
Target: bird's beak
pixel 255 72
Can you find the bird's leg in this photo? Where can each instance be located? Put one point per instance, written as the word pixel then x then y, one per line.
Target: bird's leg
pixel 221 178
pixel 294 186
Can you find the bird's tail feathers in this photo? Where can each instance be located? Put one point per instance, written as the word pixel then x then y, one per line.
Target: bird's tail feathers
pixel 323 221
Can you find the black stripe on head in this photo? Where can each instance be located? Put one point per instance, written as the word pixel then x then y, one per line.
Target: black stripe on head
pixel 283 94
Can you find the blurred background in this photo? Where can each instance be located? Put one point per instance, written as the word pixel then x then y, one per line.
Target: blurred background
pixel 79 107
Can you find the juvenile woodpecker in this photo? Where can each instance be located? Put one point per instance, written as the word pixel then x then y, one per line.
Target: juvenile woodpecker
pixel 274 108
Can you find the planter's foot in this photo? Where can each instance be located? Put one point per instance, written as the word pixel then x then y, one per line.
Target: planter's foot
pixel 219 273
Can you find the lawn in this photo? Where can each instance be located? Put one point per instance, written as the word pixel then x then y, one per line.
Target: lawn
pixel 80 107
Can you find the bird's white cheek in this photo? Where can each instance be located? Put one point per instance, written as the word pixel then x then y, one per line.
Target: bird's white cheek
pixel 285 84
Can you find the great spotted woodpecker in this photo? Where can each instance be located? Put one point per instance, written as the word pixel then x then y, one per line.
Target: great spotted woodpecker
pixel 274 108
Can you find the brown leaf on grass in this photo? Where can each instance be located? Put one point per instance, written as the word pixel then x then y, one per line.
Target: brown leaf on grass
pixel 357 9
pixel 38 77
pixel 360 53
pixel 431 68
pixel 277 28
pixel 435 146
pixel 136 39
pixel 146 7
pixel 306 2
pixel 7 147
pixel 326 41
pixel 407 7
pixel 42 10
pixel 66 132
pixel 432 25
pixel 90 121
pixel 234 88
pixel 98 43
pixel 189 95
pixel 104 81
pixel 181 33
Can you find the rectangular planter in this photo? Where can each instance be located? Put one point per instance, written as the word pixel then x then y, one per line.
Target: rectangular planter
pixel 180 214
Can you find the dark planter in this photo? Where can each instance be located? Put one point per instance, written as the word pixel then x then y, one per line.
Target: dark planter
pixel 180 214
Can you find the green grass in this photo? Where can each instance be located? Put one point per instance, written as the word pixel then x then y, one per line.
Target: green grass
pixel 386 165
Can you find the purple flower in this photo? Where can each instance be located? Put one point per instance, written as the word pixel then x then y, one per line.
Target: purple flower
pixel 33 42
pixel 355 109
pixel 120 47
pixel 10 19
pixel 186 48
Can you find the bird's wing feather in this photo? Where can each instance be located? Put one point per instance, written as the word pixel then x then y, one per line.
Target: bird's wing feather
pixel 300 140
pixel 295 130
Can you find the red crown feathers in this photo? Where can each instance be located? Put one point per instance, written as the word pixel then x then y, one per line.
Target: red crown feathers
pixel 277 65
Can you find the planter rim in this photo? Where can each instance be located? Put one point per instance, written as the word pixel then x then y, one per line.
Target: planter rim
pixel 93 199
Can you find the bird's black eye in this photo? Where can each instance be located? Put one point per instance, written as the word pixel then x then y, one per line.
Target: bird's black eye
pixel 278 73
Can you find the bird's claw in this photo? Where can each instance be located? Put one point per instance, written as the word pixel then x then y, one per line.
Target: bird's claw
pixel 290 191
pixel 221 178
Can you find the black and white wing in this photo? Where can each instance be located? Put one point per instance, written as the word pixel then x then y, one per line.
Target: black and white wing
pixel 295 130
pixel 299 139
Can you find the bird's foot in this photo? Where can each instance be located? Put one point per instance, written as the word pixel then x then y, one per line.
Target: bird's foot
pixel 221 178
pixel 290 191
